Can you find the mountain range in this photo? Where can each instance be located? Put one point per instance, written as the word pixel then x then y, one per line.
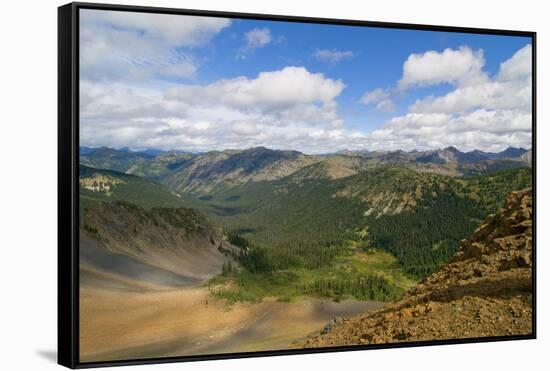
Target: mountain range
pixel 280 199
pixel 445 155
pixel 215 170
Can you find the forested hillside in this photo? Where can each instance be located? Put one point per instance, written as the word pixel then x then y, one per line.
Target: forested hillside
pixel 301 223
pixel 318 226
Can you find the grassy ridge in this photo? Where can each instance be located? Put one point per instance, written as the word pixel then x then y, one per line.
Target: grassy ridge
pixel 130 188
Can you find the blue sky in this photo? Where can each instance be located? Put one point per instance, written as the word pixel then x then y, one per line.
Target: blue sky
pixel 170 81
pixel 377 61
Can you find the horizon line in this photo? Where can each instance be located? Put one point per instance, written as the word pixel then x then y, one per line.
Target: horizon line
pixel 341 151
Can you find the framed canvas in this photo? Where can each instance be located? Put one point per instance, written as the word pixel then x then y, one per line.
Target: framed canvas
pixel 240 185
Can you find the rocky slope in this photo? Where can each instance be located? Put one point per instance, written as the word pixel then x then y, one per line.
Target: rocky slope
pixel 121 242
pixel 486 290
pixel 228 168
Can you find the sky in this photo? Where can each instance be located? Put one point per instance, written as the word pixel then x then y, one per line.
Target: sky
pixel 203 83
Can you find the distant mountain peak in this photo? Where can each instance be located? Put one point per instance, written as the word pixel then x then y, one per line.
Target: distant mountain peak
pixel 453 149
pixel 510 152
pixel 515 148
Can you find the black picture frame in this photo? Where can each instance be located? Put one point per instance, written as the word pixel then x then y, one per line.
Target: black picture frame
pixel 68 187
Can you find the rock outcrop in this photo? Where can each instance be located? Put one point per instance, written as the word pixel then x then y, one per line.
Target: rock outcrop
pixel 486 290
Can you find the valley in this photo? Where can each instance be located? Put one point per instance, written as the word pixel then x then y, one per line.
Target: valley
pixel 247 250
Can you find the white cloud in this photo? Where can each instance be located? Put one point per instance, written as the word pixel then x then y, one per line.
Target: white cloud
pixel 124 104
pixel 175 30
pixel 275 89
pixel 138 46
pixel 333 56
pixel 386 105
pixel 492 95
pixel 380 98
pixel 509 90
pixel 290 108
pixel 258 37
pixel 462 66
pixel 479 120
pixel 480 129
pixel 518 67
pixel 480 113
pixel 374 96
pixel 116 101
pixel 255 38
pixel 215 131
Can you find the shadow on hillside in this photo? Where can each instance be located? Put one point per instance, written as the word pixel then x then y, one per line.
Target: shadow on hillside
pixel 499 288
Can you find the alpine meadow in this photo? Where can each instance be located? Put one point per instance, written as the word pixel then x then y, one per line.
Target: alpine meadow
pixel 251 185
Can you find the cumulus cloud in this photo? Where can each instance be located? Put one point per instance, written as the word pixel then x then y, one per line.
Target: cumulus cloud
pixel 275 89
pixel 492 95
pixel 462 66
pixel 333 56
pixel 116 101
pixel 204 129
pixel 480 113
pixel 480 129
pixel 510 89
pixel 518 67
pixel 137 46
pixel 287 108
pixel 124 101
